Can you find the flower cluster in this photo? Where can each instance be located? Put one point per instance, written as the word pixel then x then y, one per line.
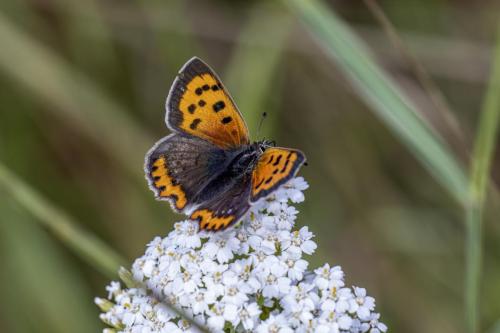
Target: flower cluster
pixel 251 278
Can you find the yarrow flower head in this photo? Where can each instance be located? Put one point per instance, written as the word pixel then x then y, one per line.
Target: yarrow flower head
pixel 251 278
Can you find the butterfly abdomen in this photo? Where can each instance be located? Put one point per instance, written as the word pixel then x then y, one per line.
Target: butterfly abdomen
pixel 227 170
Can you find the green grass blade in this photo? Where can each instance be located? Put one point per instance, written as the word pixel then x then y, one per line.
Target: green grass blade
pixel 480 173
pixel 86 245
pixel 382 94
pixel 488 126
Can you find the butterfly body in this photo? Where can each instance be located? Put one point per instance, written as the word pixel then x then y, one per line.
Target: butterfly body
pixel 207 168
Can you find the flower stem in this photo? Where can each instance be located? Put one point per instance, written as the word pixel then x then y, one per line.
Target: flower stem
pixel 473 258
pixel 480 170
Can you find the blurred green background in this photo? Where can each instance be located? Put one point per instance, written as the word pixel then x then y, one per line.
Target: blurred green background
pixel 83 85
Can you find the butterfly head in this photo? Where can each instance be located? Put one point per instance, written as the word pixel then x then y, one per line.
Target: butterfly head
pixel 261 146
pixel 246 157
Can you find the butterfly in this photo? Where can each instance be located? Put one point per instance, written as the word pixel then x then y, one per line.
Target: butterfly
pixel 207 168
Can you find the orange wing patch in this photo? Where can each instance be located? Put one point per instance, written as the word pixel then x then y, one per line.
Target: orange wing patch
pixel 209 113
pixel 208 221
pixel 199 105
pixel 275 167
pixel 165 184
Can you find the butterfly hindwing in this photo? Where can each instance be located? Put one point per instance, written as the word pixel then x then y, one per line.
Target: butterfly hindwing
pixel 199 105
pixel 226 208
pixel 275 167
pixel 178 167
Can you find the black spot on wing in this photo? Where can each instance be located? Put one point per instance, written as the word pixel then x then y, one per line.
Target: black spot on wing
pixel 277 160
pixel 226 120
pixel 202 103
pixel 268 180
pixel 259 184
pixel 284 166
pixel 218 106
pixel 194 68
pixel 191 108
pixel 195 123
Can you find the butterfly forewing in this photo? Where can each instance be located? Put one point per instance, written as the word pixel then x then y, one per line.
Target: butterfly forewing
pixel 275 167
pixel 198 104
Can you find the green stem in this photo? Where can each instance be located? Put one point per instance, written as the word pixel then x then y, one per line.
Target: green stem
pixel 480 173
pixel 86 245
pixel 473 258
pixel 382 95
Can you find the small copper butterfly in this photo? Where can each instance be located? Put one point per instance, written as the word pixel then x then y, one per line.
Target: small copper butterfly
pixel 207 168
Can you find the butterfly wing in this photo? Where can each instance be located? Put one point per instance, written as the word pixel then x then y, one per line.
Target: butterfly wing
pixel 225 209
pixel 275 167
pixel 199 105
pixel 178 167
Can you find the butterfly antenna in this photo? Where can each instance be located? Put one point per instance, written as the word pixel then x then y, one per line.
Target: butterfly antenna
pixel 263 116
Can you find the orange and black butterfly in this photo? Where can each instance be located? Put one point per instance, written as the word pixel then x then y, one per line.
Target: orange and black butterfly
pixel 207 168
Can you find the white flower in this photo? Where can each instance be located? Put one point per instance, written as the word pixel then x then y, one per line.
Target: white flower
pixel 222 246
pixel 274 324
pixel 250 278
pixel 187 281
pixel 113 289
pixel 283 217
pixel 272 278
pixel 361 304
pixel 249 315
pixel 327 277
pixel 186 235
pixel 300 242
pixel 247 282
pixel 296 267
pixel 200 301
pixel 376 326
pixel 220 313
pixel 232 293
